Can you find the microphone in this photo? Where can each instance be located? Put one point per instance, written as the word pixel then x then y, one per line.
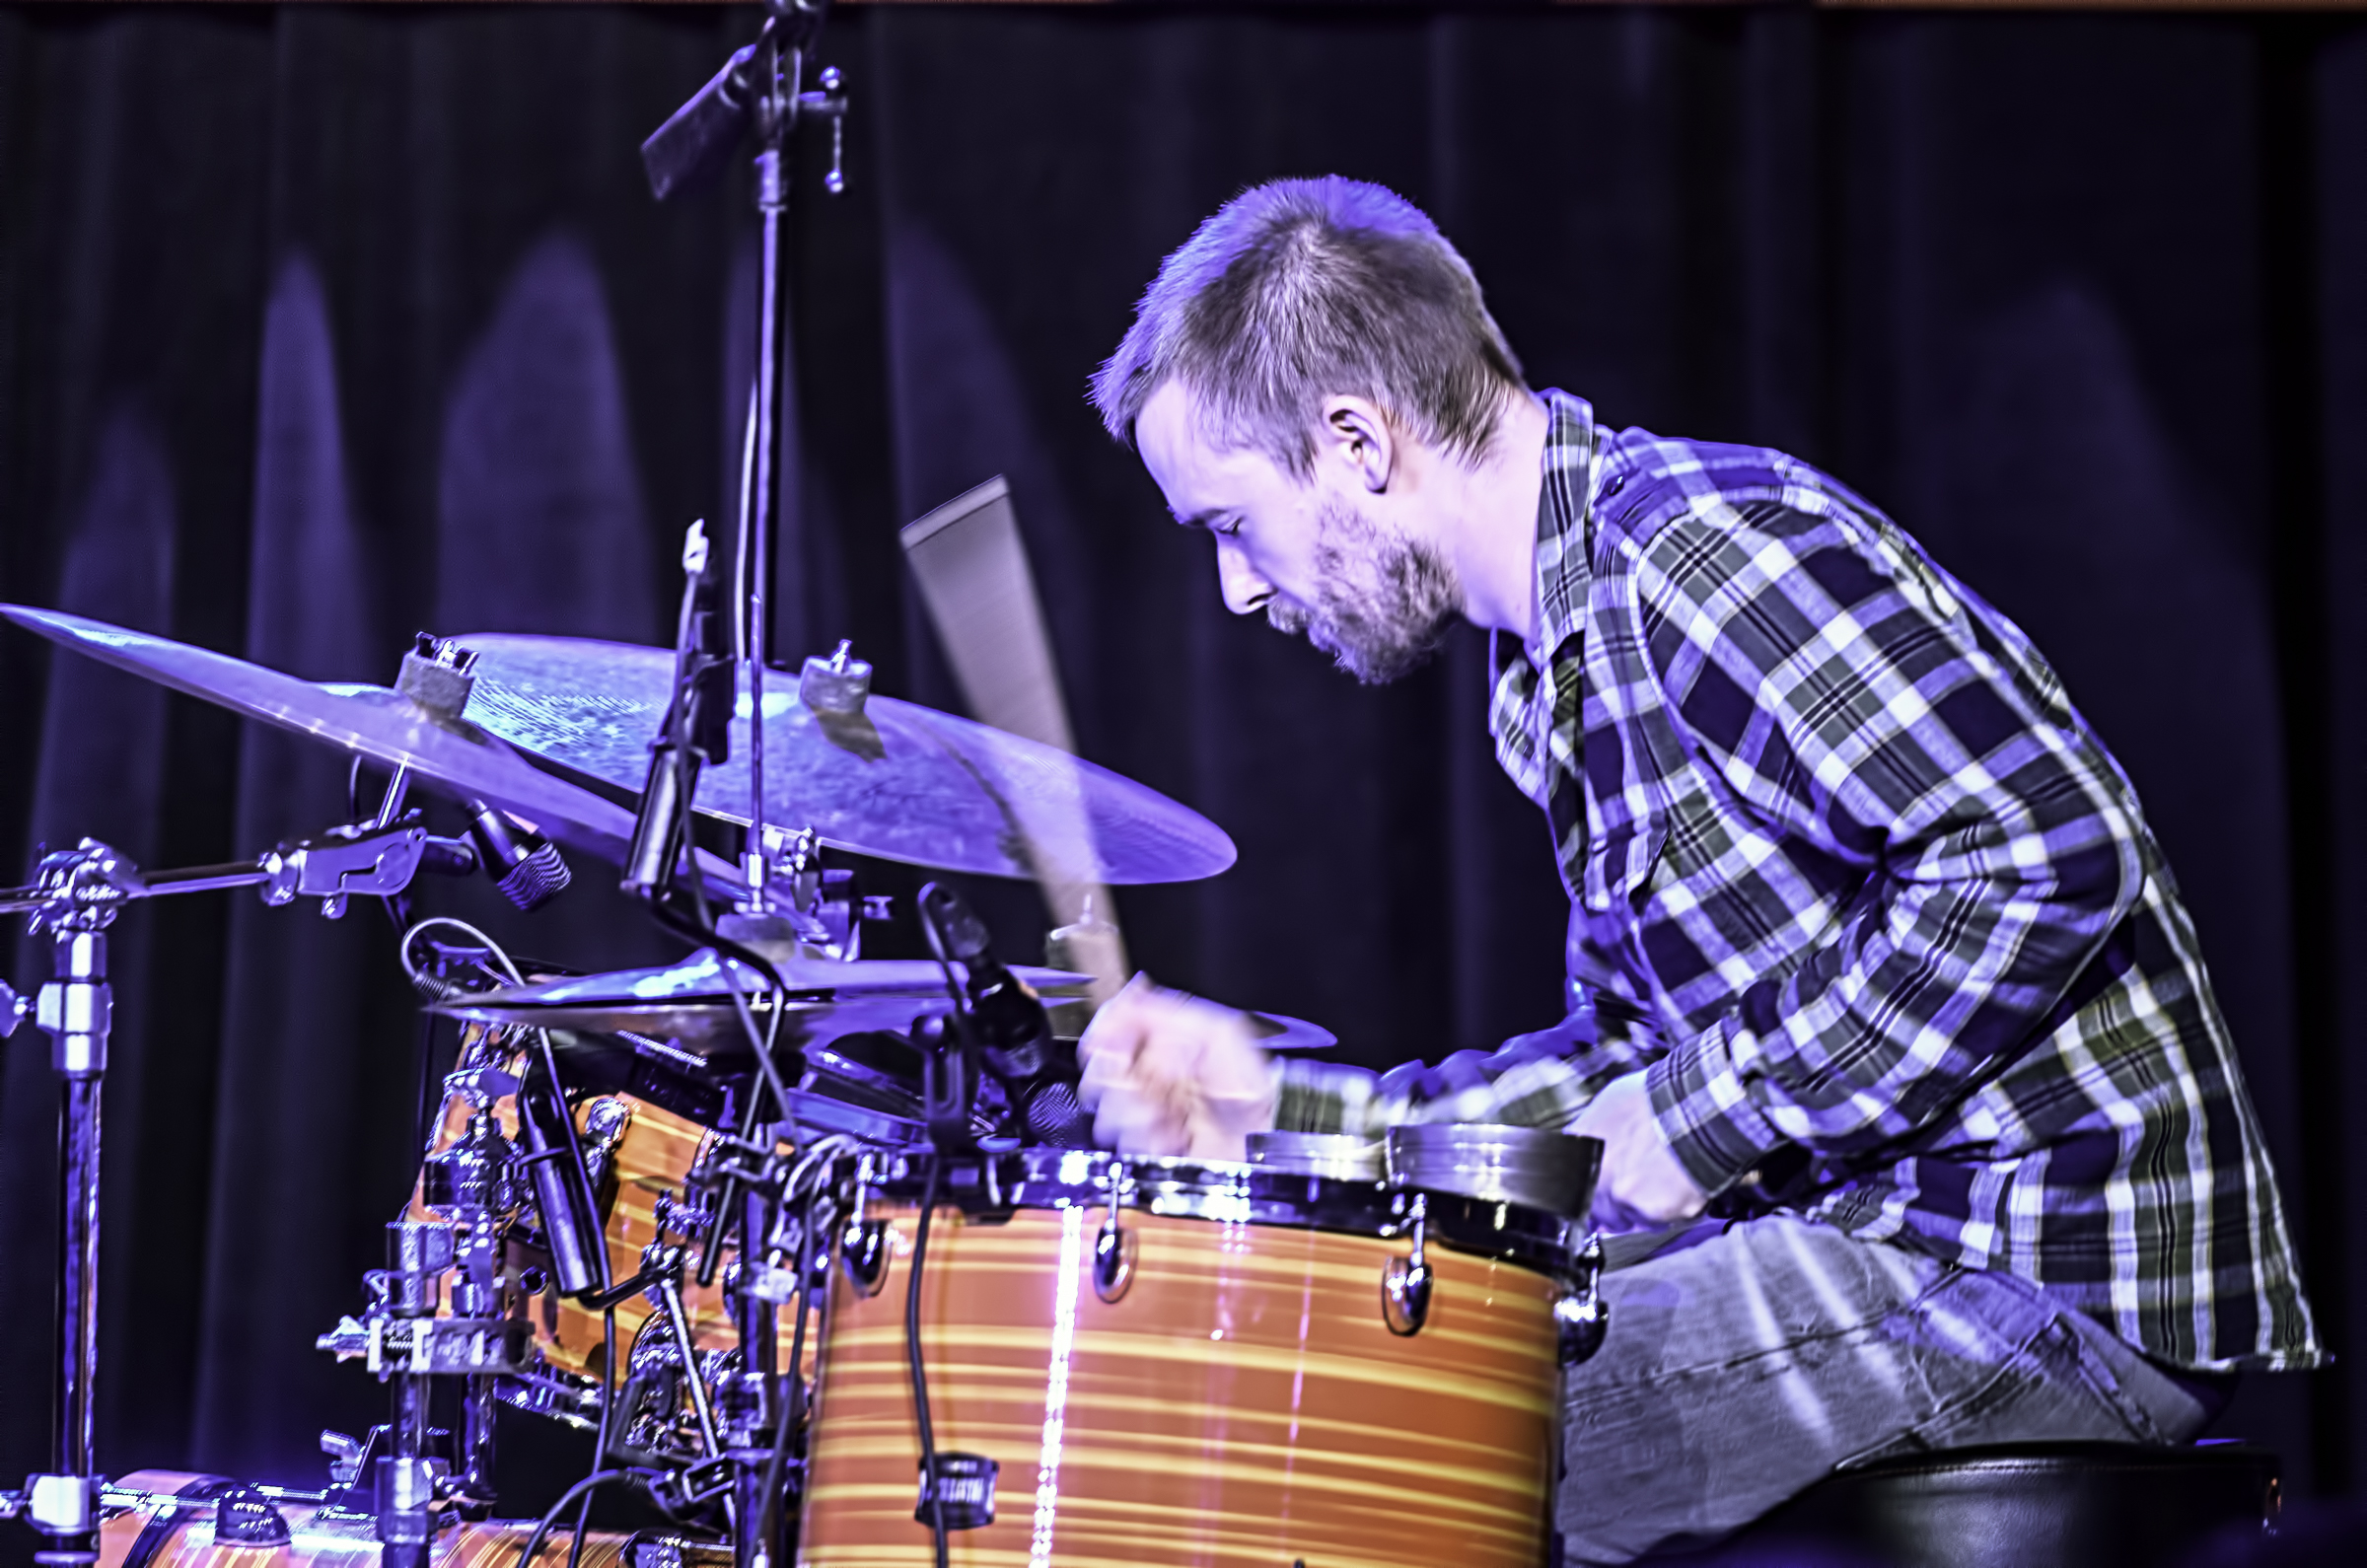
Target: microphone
pixel 1038 1073
pixel 697 139
pixel 697 728
pixel 555 1165
pixel 524 865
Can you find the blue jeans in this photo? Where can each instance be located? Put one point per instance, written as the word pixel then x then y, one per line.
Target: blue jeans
pixel 1745 1362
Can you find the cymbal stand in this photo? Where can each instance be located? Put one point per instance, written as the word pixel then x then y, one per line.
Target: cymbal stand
pixel 747 1403
pixel 76 896
pixel 472 1188
pixel 74 1008
pixel 797 24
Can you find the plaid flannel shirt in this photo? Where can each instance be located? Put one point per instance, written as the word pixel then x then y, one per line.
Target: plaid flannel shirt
pixel 1869 902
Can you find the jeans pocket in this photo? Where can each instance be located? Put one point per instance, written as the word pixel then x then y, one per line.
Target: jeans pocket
pixel 2109 1385
pixel 2025 1374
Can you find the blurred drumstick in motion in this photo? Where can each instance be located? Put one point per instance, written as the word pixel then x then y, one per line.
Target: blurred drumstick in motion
pixel 973 569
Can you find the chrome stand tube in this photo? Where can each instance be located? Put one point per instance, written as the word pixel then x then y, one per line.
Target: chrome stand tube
pixel 417 1253
pixel 476 1441
pixel 75 1009
pixel 749 1425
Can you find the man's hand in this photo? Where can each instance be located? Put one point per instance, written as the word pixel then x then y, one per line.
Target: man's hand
pixel 1169 1073
pixel 1642 1184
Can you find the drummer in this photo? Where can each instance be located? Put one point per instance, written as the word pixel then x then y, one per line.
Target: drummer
pixel 1919 1116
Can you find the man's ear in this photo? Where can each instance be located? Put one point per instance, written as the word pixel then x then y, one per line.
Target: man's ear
pixel 1356 433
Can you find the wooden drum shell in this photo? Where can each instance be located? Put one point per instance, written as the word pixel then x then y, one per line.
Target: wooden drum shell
pixel 655 1157
pixel 1241 1403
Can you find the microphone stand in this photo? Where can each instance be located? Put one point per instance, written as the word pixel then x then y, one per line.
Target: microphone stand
pixel 759 89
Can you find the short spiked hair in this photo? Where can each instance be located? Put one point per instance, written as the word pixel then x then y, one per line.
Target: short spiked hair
pixel 1299 290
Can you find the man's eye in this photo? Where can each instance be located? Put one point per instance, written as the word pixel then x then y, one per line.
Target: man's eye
pixel 1230 527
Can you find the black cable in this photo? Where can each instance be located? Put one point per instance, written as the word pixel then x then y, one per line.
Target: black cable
pixel 581 1489
pixel 685 811
pixel 424 1087
pixel 792 1418
pixel 599 1445
pixel 912 1356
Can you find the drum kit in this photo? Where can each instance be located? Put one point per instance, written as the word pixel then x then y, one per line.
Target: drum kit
pixel 817 1246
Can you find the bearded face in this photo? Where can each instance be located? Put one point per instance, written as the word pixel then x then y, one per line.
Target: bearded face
pixel 1382 605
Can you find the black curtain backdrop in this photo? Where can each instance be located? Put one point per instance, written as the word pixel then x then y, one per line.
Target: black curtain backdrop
pixel 321 325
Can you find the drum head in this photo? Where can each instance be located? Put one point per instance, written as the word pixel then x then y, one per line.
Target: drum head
pixel 996 1182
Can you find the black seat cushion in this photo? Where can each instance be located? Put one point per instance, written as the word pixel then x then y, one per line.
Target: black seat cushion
pixel 2042 1505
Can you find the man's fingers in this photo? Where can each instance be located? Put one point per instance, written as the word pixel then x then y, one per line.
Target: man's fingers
pixel 1166 1074
pixel 1135 1123
pixel 1104 1071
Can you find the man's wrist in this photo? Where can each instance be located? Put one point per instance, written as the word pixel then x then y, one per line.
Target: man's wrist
pixel 1705 1109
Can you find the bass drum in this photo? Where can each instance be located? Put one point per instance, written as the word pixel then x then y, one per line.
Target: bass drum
pixel 165 1519
pixel 1173 1363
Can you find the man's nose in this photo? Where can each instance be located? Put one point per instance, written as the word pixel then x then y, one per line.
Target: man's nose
pixel 1246 592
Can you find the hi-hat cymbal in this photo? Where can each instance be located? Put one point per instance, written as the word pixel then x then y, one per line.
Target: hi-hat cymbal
pixel 382 725
pixel 897 780
pixel 690 1002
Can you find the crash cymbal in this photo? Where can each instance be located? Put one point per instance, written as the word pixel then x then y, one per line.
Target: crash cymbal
pixel 381 724
pixel 690 1002
pixel 894 780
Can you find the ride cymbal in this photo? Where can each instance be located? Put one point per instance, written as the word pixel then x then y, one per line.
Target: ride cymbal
pixel 893 779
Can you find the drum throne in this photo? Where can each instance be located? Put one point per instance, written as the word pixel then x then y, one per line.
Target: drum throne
pixel 2032 1505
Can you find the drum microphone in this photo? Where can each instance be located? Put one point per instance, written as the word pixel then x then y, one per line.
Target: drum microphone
pixel 523 864
pixel 697 728
pixel 1038 1072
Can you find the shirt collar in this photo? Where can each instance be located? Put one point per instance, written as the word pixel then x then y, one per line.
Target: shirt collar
pixel 1564 524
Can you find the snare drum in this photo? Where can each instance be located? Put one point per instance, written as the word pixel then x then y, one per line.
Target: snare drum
pixel 1211 1369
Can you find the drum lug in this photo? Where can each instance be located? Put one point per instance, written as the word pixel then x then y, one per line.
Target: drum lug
pixel 863 1245
pixel 1405 1283
pixel 863 1252
pixel 1583 1317
pixel 1114 1253
pixel 1116 1248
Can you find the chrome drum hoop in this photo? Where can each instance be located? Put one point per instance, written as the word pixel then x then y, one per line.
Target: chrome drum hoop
pixel 994 1182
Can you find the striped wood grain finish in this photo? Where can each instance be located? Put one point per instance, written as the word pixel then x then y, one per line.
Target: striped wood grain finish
pixel 169 1535
pixel 656 1155
pixel 1243 1404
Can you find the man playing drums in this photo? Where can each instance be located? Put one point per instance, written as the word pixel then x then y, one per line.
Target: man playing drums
pixel 1872 953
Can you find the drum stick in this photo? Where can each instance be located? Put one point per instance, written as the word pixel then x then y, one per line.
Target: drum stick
pixel 972 570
